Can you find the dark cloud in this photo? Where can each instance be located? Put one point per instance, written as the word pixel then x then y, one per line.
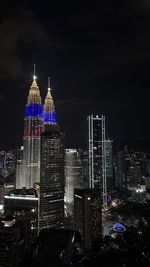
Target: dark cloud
pixel 18 31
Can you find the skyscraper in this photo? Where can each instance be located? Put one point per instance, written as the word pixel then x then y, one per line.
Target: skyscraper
pixel 23 204
pixel 97 155
pixel 73 177
pixel 109 165
pixel 52 169
pixel 19 166
pixel 33 125
pixel 120 171
pixel 88 215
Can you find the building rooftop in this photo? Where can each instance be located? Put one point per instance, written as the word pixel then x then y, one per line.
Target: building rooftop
pixel 23 194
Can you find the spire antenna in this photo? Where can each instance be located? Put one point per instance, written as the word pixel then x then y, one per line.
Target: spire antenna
pixel 49 83
pixel 34 76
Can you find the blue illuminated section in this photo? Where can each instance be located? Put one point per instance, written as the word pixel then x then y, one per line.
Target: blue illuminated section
pixel 119 228
pixel 34 110
pixel 49 117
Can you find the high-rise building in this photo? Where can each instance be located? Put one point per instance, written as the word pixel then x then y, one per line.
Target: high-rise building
pixel 109 166
pixel 85 165
pixel 52 169
pixel 120 171
pixel 23 204
pixel 87 214
pixel 7 170
pixel 97 155
pixel 19 167
pixel 10 241
pixel 73 177
pixel 7 161
pixel 33 125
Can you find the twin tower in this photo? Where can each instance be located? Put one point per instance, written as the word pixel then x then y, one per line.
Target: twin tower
pixel 37 118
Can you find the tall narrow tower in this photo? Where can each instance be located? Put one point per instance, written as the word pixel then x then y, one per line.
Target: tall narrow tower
pixel 97 155
pixel 33 125
pixel 52 169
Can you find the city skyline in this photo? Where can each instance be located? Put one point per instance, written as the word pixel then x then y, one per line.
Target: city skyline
pixel 98 65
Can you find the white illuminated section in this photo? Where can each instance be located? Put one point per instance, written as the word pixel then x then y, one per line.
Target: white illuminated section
pixel 78 196
pixel 9 223
pixel 9 186
pixel 21 197
pixel 34 78
pixel 1 207
pixel 114 204
pixel 56 200
pixel 139 190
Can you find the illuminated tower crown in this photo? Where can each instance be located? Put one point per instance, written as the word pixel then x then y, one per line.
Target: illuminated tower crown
pixel 49 113
pixel 33 111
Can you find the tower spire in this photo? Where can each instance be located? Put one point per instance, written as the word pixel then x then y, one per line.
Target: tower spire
pixel 49 83
pixel 34 76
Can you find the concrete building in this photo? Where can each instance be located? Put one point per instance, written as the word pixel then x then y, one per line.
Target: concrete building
pixel 88 215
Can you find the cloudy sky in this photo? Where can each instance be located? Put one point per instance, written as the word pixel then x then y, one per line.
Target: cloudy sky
pixel 98 58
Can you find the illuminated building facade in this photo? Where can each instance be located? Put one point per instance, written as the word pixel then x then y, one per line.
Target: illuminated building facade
pixel 87 214
pixel 109 165
pixel 7 161
pixel 97 155
pixel 73 177
pixel 33 126
pixel 19 167
pixel 52 170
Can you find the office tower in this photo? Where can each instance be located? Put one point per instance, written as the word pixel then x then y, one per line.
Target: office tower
pixel 10 240
pixel 109 165
pixel 23 204
pixel 52 169
pixel 7 161
pixel 147 183
pixel 7 172
pixel 7 167
pixel 136 164
pixel 120 171
pixel 85 167
pixel 33 125
pixel 87 214
pixel 97 155
pixel 73 177
pixel 19 167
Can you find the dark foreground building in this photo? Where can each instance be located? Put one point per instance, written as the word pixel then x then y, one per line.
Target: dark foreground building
pixel 87 215
pixel 10 243
pixel 23 203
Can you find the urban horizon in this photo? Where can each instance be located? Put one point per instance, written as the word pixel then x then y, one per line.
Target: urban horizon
pixel 80 141
pixel 74 142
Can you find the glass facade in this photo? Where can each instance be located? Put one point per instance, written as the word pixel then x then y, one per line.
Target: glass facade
pixel 52 178
pixel 73 177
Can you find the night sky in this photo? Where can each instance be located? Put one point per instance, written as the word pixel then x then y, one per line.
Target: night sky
pixel 98 58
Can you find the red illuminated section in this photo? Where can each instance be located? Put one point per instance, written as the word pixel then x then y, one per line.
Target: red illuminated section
pixel 33 126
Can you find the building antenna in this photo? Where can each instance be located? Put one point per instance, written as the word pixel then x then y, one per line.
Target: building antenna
pixel 49 83
pixel 34 76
